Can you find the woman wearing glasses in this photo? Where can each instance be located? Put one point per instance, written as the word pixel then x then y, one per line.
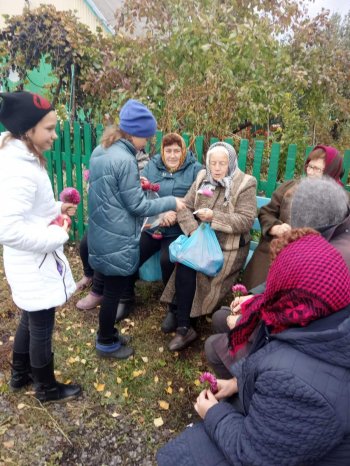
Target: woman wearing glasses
pixel 275 217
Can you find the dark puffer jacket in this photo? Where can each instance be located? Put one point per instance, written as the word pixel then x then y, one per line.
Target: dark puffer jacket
pixel 117 205
pixel 294 394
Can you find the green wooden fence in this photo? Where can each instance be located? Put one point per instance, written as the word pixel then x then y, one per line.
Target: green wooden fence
pixel 72 150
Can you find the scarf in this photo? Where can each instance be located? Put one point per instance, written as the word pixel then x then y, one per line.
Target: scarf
pixel 333 163
pixel 308 280
pixel 209 182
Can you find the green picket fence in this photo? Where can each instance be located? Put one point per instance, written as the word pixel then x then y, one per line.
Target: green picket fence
pixel 72 150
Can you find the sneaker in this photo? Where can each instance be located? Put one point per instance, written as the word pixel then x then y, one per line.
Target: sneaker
pixel 89 302
pixel 183 338
pixel 123 352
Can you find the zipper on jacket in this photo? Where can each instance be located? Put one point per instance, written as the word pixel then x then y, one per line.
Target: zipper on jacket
pixel 64 268
pixel 41 263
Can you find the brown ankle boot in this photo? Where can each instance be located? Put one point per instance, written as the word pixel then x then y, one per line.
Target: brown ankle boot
pixel 183 338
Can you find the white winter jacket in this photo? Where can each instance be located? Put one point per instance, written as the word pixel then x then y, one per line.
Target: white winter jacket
pixel 36 268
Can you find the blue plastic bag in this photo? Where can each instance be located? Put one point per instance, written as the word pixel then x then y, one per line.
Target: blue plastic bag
pixel 201 251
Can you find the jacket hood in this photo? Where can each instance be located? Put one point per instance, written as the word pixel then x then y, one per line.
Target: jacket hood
pixel 327 339
pixel 157 160
pixel 17 149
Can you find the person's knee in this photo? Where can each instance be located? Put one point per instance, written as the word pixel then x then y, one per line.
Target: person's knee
pixel 209 350
pixel 219 320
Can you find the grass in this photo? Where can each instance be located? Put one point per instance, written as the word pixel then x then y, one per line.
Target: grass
pixel 154 384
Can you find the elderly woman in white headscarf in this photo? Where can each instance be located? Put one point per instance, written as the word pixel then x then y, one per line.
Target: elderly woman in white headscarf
pixel 225 197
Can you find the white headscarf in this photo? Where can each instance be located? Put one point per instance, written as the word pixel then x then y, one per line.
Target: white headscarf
pixel 209 182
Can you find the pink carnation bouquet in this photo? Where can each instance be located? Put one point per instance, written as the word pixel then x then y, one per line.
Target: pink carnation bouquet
pixel 206 192
pixel 70 195
pixel 211 379
pixel 86 175
pixel 237 290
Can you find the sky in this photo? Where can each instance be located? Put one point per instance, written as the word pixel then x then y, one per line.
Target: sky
pixel 335 6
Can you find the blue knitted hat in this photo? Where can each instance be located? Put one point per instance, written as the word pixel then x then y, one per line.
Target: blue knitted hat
pixel 137 120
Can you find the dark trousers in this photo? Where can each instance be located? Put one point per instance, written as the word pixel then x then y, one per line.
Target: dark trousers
pixel 84 256
pixel 113 289
pixel 34 336
pixel 185 289
pixel 148 247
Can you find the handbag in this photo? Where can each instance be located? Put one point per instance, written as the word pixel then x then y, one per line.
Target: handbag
pixel 201 251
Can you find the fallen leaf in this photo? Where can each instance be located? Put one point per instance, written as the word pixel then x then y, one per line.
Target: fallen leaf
pixel 21 406
pixel 163 405
pixel 158 422
pixel 125 393
pixel 10 444
pixel 181 390
pixel 144 358
pixel 11 338
pixel 197 382
pixel 119 380
pixel 161 349
pixel 88 343
pixel 68 381
pixel 115 414
pixel 169 382
pixel 99 387
pixel 92 330
pixel 83 361
pixel 169 390
pixel 58 372
pixel 156 379
pixel 137 373
pixel 108 394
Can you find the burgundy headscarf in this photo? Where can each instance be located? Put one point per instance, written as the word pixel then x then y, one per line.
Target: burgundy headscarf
pixel 334 162
pixel 308 280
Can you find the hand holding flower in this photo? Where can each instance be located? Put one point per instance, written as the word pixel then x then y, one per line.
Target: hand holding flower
pixel 211 379
pixel 205 401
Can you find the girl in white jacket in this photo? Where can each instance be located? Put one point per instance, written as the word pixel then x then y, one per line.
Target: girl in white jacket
pixel 35 266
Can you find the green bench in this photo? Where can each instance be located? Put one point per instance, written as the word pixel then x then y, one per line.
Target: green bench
pixel 151 272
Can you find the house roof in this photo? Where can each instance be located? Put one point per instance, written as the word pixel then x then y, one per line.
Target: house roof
pixel 107 8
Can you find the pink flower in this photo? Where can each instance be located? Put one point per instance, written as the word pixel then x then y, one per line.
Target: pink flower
pixel 157 235
pixel 211 379
pixel 206 192
pixel 239 290
pixel 155 187
pixel 70 195
pixel 86 175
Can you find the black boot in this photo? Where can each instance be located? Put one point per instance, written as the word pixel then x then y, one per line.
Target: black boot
pixel 48 389
pixel 21 371
pixel 169 323
pixel 125 308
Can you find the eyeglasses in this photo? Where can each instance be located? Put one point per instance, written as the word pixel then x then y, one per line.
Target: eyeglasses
pixel 315 169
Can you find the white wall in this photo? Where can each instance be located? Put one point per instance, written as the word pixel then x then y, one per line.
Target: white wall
pixel 84 13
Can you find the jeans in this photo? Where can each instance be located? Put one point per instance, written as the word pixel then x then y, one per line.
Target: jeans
pixel 34 336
